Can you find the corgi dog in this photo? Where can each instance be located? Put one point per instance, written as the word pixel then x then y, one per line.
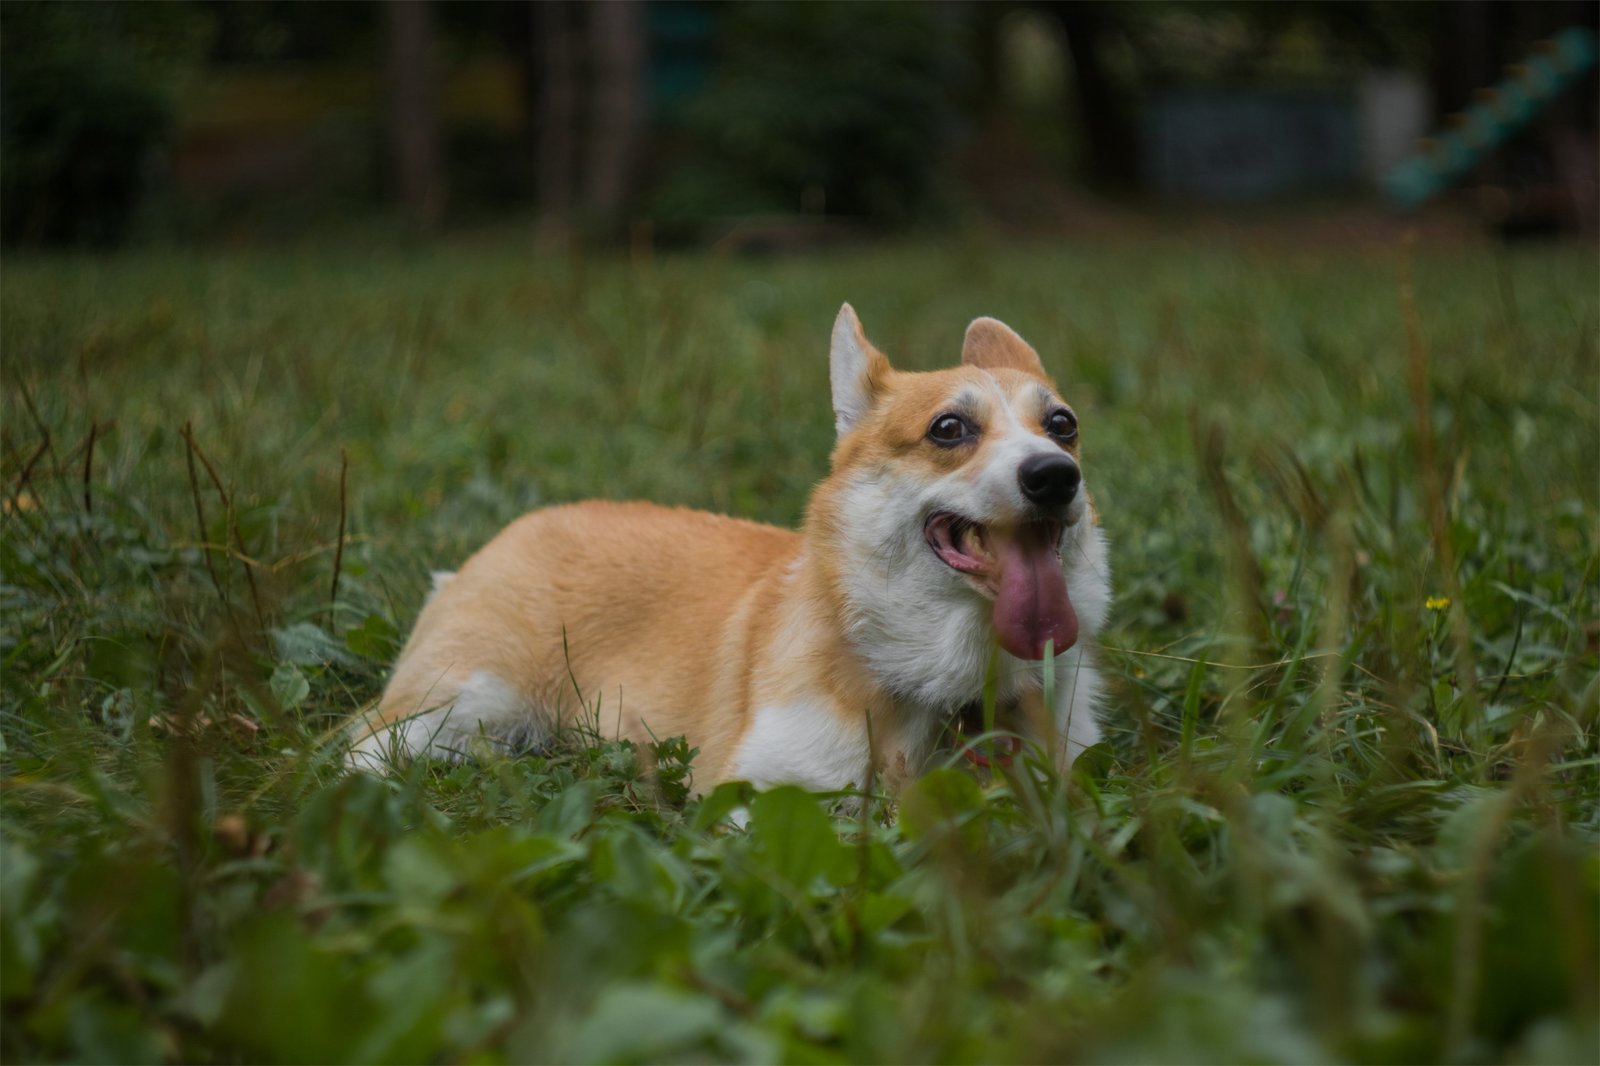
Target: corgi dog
pixel 951 543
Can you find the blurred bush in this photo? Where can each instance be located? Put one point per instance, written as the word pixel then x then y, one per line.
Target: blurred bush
pixel 840 108
pixel 86 105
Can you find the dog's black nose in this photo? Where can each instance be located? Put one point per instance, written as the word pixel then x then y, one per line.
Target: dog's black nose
pixel 1049 480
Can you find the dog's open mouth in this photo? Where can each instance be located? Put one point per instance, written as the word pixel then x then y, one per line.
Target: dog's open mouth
pixel 1017 567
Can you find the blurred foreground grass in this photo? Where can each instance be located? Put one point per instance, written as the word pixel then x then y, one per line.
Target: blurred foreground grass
pixel 1348 808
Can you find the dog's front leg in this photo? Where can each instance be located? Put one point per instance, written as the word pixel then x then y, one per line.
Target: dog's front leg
pixel 1077 686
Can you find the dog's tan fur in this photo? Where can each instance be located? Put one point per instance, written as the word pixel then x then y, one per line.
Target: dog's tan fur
pixel 677 622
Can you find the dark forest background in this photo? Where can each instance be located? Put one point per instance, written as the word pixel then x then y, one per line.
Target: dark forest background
pixel 691 120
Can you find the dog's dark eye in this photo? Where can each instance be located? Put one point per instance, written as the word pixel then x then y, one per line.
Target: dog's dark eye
pixel 950 429
pixel 1062 425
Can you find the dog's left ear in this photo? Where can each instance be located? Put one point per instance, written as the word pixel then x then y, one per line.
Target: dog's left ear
pixel 993 345
pixel 856 370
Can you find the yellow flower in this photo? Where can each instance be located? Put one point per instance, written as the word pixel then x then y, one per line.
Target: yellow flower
pixel 1437 603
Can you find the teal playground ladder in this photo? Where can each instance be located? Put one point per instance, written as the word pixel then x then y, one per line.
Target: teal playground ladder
pixel 1498 113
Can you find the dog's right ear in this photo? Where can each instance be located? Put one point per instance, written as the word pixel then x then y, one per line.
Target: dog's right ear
pixel 856 369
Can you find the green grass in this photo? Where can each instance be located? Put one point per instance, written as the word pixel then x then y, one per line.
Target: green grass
pixel 1335 819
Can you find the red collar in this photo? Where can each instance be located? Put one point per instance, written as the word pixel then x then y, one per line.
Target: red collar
pixel 1012 745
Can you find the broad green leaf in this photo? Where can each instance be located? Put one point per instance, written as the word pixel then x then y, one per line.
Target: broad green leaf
pixel 289 686
pixel 288 1001
pixel 102 1030
pixel 375 638
pixel 795 837
pixel 628 865
pixel 305 644
pixel 420 869
pixel 943 799
pixel 720 805
pixel 571 811
pixel 638 1022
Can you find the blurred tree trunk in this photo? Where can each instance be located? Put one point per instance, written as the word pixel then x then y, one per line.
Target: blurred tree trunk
pixel 413 116
pixel 1102 106
pixel 556 46
pixel 1464 47
pixel 617 45
pixel 987 96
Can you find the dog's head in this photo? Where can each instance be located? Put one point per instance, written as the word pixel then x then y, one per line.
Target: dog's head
pixel 956 512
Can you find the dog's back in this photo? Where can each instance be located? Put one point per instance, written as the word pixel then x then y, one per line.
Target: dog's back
pixel 642 612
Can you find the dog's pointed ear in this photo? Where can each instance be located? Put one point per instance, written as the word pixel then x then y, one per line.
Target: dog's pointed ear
pixel 992 345
pixel 856 370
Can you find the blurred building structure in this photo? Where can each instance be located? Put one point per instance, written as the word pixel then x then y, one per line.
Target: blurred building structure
pixel 1237 146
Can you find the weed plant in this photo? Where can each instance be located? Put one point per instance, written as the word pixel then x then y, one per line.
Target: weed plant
pixel 1347 808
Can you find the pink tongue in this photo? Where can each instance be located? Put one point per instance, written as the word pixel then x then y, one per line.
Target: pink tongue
pixel 1032 605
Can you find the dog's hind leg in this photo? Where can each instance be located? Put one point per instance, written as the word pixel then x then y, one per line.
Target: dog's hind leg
pixel 445 720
